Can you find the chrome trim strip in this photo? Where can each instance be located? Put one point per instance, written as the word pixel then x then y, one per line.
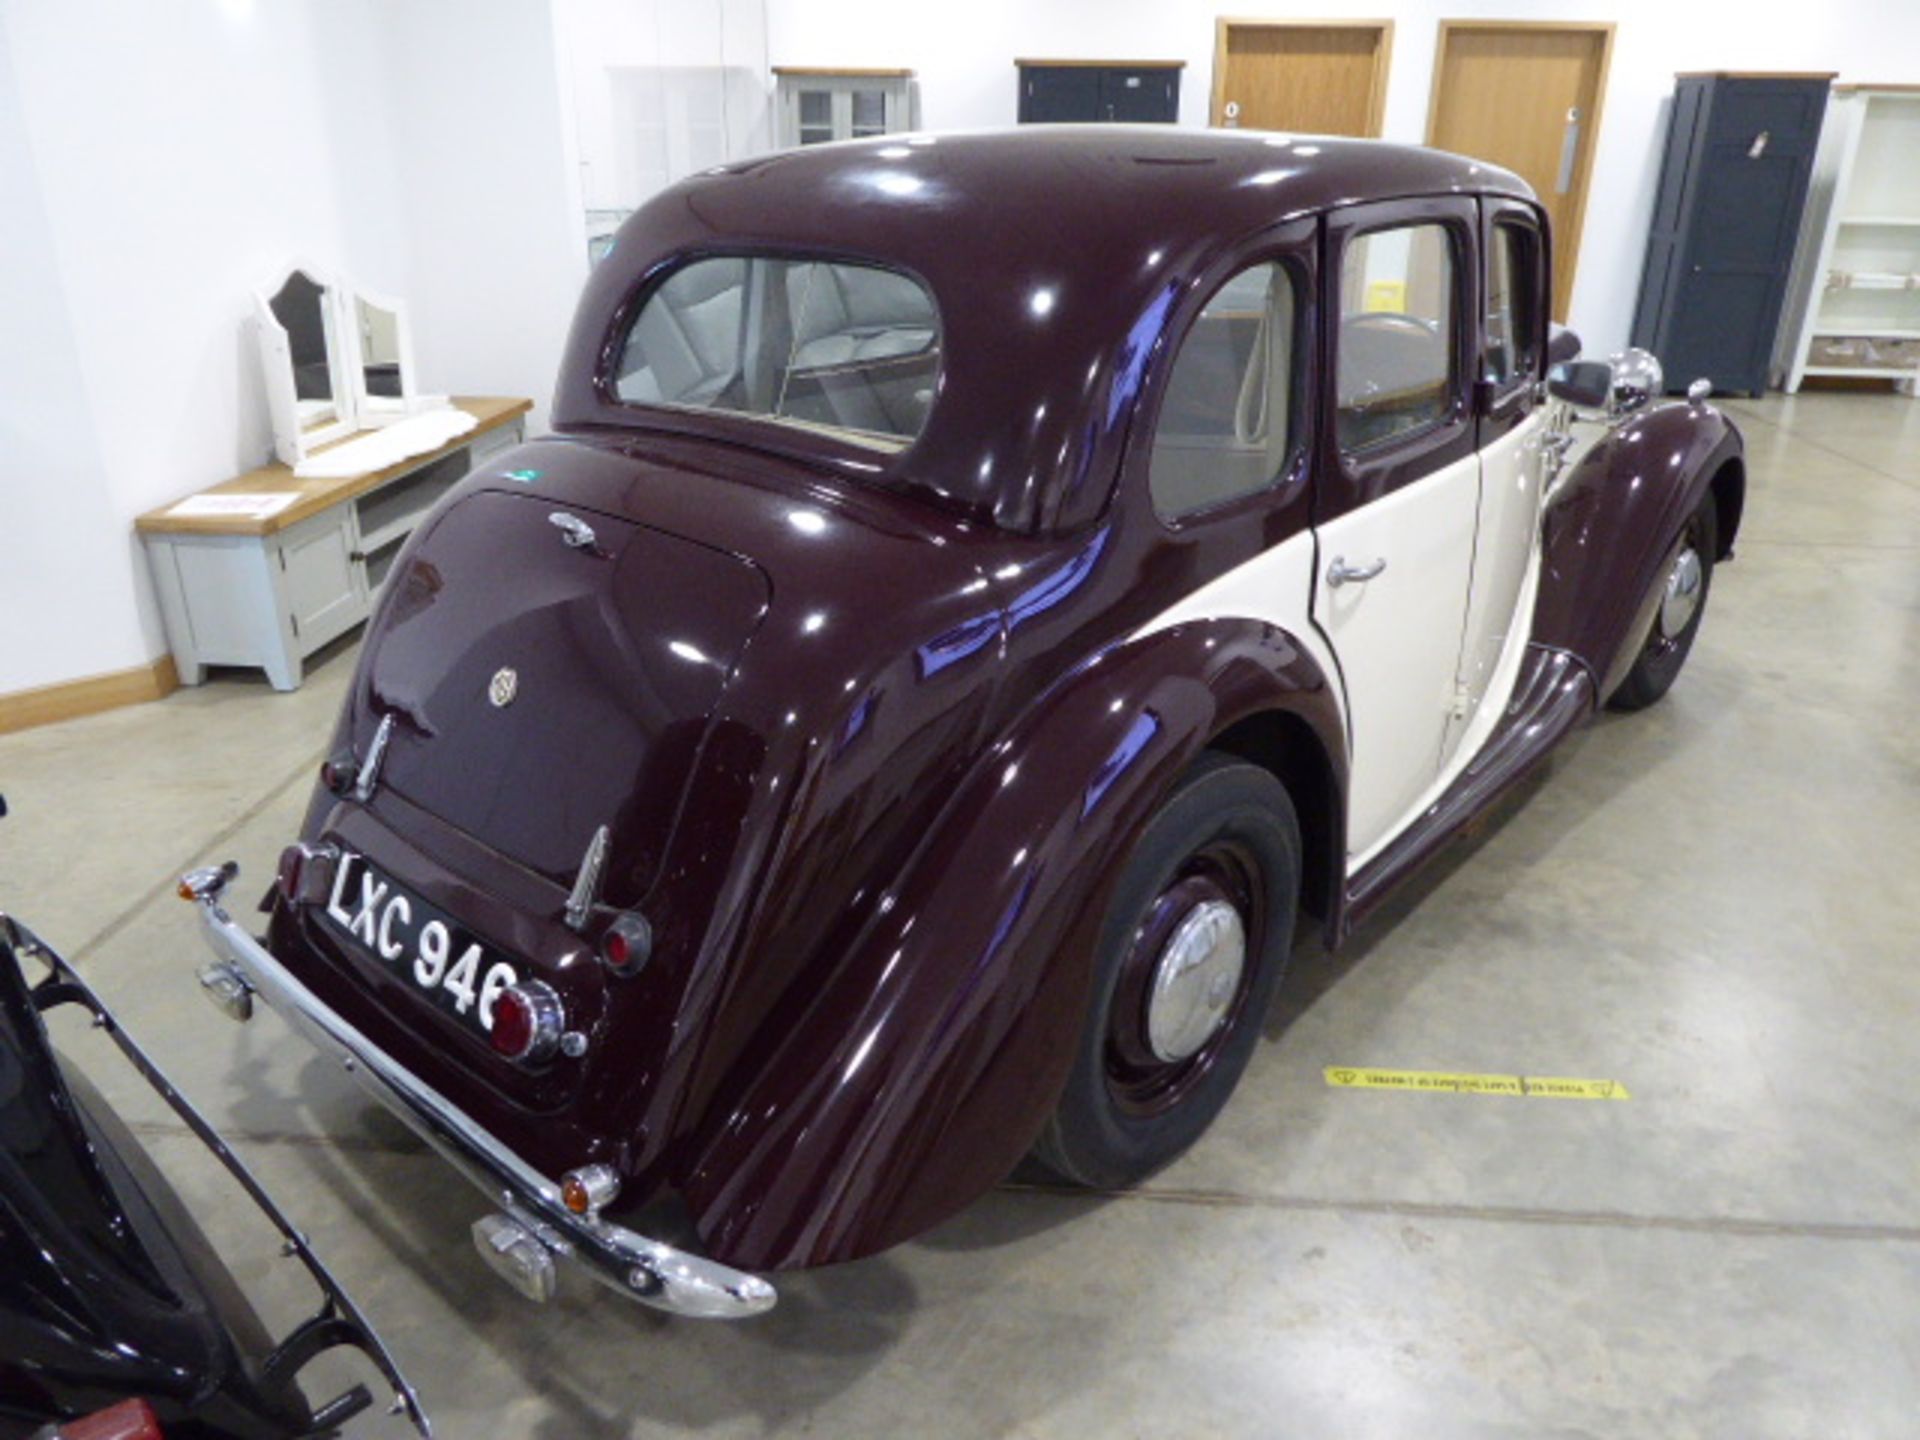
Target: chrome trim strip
pixel 586 884
pixel 369 776
pixel 641 1269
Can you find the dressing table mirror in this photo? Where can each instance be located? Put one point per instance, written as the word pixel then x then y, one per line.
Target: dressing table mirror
pixel 383 375
pixel 335 361
pixel 303 359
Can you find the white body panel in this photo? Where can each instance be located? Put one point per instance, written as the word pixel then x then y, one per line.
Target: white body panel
pixel 1511 476
pixel 1275 587
pixel 1398 638
pixel 1479 729
pixel 1424 672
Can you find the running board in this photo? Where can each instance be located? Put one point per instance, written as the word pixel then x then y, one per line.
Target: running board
pixel 1553 694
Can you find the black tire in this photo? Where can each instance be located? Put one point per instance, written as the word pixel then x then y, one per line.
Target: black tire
pixel 1226 833
pixel 1658 664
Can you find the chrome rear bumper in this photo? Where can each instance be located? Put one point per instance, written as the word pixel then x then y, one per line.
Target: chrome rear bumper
pixel 633 1265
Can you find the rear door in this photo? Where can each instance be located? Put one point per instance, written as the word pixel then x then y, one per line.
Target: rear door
pixel 1398 491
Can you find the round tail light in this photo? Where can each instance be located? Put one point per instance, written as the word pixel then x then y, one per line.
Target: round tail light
pixel 338 772
pixel 627 943
pixel 528 1021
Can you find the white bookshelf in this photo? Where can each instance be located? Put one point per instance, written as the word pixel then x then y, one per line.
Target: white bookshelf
pixel 1853 306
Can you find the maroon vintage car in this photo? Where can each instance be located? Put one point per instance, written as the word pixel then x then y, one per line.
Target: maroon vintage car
pixel 982 589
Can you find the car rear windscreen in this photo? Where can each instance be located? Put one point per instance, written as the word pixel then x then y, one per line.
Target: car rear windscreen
pixel 853 349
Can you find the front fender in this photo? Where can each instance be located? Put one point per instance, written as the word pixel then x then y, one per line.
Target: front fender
pixel 928 1060
pixel 1612 522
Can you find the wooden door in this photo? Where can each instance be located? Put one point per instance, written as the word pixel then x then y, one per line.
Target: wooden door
pixel 1309 78
pixel 1527 95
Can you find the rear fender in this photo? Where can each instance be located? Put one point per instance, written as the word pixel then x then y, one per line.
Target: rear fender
pixel 1612 523
pixel 921 1071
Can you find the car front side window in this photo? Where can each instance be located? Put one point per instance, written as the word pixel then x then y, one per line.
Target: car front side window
pixel 1226 421
pixel 1513 298
pixel 1396 349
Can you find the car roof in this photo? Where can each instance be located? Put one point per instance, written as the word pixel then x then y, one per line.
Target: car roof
pixel 1052 251
pixel 1171 180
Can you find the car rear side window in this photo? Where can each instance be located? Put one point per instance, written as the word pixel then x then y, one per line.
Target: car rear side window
pixel 1395 363
pixel 852 349
pixel 1225 425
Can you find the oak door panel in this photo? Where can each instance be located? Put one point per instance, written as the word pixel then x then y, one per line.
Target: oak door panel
pixel 1310 79
pixel 1527 96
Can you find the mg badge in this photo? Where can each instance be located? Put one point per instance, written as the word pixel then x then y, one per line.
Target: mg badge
pixel 503 687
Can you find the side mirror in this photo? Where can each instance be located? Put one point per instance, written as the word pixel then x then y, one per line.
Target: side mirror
pixel 1625 383
pixel 1583 384
pixel 1563 346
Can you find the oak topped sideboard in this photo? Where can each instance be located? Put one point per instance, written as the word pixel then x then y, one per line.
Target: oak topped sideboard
pixel 247 576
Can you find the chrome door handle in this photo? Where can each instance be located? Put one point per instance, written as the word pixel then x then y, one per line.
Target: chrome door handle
pixel 1339 572
pixel 575 531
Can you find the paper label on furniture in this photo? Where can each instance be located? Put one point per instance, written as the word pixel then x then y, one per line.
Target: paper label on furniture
pixel 1446 1082
pixel 248 507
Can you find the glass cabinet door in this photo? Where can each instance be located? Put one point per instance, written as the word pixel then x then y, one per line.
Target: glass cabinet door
pixel 867 113
pixel 815 116
pixel 816 106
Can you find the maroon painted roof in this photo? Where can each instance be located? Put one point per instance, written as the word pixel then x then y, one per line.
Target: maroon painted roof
pixel 1052 252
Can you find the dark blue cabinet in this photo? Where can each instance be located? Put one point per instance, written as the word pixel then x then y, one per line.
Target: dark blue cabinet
pixel 1725 220
pixel 1070 91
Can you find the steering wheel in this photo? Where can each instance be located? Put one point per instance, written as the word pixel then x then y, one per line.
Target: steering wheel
pixel 1380 349
pixel 1388 319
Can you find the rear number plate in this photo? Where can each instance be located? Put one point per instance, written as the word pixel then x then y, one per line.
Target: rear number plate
pixel 424 945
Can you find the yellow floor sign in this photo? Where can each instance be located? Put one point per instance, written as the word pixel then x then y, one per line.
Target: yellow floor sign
pixel 1544 1087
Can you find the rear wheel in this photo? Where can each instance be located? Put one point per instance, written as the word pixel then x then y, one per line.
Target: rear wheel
pixel 1683 601
pixel 1192 945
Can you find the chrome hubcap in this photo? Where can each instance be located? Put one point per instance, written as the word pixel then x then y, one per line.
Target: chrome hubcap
pixel 1682 599
pixel 1195 979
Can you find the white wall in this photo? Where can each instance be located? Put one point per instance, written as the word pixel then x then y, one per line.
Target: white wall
pixel 658 89
pixel 58 580
pixel 490 197
pixel 964 56
pixel 162 172
pixel 157 161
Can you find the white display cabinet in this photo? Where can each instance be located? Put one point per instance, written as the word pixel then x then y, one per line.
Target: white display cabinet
pixel 1854 297
pixel 817 105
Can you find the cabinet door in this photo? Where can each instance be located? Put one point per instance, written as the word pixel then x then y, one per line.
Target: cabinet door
pixel 321 587
pixel 810 117
pixel 1753 165
pixel 1137 95
pixel 1050 94
pixel 1758 158
pixel 867 111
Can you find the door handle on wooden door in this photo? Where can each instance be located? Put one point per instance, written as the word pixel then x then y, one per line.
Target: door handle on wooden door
pixel 1569 148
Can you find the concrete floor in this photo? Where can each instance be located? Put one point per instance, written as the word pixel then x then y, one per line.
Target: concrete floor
pixel 1713 902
